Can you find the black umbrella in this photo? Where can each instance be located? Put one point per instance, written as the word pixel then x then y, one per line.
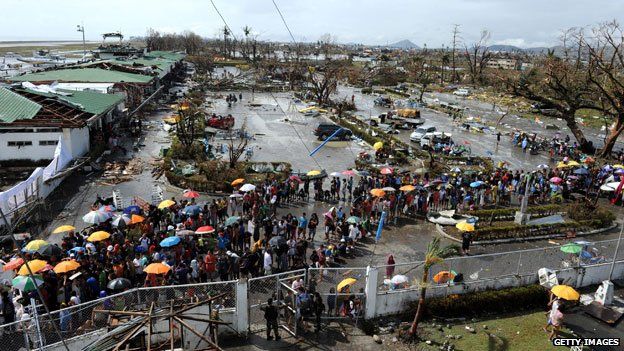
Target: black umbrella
pixel 277 241
pixel 50 250
pixel 119 284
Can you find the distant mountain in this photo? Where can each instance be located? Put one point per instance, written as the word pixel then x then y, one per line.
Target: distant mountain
pixel 504 48
pixel 403 44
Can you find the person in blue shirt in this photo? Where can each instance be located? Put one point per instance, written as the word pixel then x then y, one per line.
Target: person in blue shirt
pixel 302 225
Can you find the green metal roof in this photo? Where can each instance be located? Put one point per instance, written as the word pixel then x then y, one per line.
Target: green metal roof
pixel 167 55
pixel 88 101
pixel 14 106
pixel 84 75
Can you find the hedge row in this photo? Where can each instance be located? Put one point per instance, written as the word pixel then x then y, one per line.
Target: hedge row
pixel 507 213
pixel 486 302
pixel 524 231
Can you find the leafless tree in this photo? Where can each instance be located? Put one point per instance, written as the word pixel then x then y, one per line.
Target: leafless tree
pixel 477 57
pixel 605 67
pixel 237 145
pixel 325 82
pixel 456 39
pixel 420 71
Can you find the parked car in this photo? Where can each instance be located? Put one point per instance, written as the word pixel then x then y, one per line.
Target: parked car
pixel 387 128
pixel 383 101
pixel 376 120
pixel 409 123
pixel 434 138
pixel 325 130
pixel 461 92
pixel 447 217
pixel 420 132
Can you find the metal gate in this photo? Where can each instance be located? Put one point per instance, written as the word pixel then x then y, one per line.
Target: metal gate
pixel 276 286
pixel 325 281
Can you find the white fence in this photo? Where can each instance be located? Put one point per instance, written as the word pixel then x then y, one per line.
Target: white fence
pixel 244 298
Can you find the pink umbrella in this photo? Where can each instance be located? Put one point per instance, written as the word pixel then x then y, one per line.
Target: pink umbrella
pixel 386 170
pixel 348 172
pixel 295 178
pixel 556 180
pixel 328 215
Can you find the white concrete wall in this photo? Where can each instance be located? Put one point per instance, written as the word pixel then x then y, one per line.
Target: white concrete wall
pixel 34 152
pixel 76 139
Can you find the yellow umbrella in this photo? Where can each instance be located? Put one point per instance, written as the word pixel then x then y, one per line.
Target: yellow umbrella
pixel 573 163
pixel 166 204
pixel 35 266
pixel 562 165
pixel 136 219
pixel 618 166
pixel 345 283
pixel 238 181
pixel 98 236
pixel 465 226
pixel 565 292
pixel 64 229
pixel 407 188
pixel 378 145
pixel 378 192
pixel 313 173
pixel 157 268
pixel 35 245
pixel 66 266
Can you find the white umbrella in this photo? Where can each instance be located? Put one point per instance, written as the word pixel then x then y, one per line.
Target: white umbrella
pixel 95 217
pixel 335 174
pixel 542 166
pixel 236 195
pixel 610 186
pixel 388 188
pixel 121 220
pixel 247 187
pixel 399 279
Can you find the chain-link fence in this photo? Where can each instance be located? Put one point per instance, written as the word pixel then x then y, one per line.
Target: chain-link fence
pixel 343 290
pixel 260 289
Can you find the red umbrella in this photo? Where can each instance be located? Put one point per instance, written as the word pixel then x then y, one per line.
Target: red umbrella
pixel 348 172
pixel 556 180
pixel 205 230
pixel 386 170
pixel 13 264
pixel 190 194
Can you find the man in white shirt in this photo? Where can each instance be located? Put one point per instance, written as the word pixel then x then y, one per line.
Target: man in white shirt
pixel 268 262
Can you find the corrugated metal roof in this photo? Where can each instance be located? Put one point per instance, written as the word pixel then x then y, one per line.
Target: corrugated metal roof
pixel 92 75
pixel 14 106
pixel 88 101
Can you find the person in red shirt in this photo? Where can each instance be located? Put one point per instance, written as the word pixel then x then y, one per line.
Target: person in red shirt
pixel 210 265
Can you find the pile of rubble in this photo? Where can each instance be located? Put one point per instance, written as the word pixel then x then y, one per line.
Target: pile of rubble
pixel 121 171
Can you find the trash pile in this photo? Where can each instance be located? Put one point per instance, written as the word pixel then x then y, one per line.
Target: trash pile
pixel 121 171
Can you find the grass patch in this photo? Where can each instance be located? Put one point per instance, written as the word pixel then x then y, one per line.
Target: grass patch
pixel 510 333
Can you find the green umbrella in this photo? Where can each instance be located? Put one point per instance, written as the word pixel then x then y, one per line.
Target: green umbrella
pixel 354 220
pixel 571 248
pixel 232 220
pixel 26 283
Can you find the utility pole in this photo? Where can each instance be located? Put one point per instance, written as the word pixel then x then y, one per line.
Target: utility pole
pixel 455 38
pixel 80 28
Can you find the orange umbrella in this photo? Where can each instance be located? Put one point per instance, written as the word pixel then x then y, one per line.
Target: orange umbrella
pixel 157 268
pixel 66 266
pixel 238 181
pixel 378 192
pixel 136 219
pixel 443 277
pixel 13 264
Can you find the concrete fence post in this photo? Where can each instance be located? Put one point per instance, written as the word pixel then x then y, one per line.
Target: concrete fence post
pixel 371 292
pixel 242 310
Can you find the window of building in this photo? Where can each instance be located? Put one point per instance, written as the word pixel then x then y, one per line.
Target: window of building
pixel 47 142
pixel 19 143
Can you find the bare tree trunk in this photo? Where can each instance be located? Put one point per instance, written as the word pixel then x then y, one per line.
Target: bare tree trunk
pixel 421 303
pixel 578 133
pixel 612 137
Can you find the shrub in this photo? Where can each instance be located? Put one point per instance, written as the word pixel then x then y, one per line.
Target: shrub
pixel 486 302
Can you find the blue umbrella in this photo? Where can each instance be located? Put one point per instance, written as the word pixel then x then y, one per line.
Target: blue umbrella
pixel 192 210
pixel 581 171
pixel 134 209
pixel 78 249
pixel 476 184
pixel 170 241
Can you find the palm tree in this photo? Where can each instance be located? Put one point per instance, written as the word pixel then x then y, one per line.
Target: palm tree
pixel 246 32
pixel 435 254
pixel 446 59
pixel 226 33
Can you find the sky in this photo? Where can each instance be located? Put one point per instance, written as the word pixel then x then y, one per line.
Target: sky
pixel 523 23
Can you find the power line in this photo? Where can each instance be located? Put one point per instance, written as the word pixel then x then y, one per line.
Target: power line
pixel 223 19
pixel 284 21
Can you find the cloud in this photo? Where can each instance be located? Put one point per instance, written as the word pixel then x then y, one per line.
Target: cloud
pixel 522 43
